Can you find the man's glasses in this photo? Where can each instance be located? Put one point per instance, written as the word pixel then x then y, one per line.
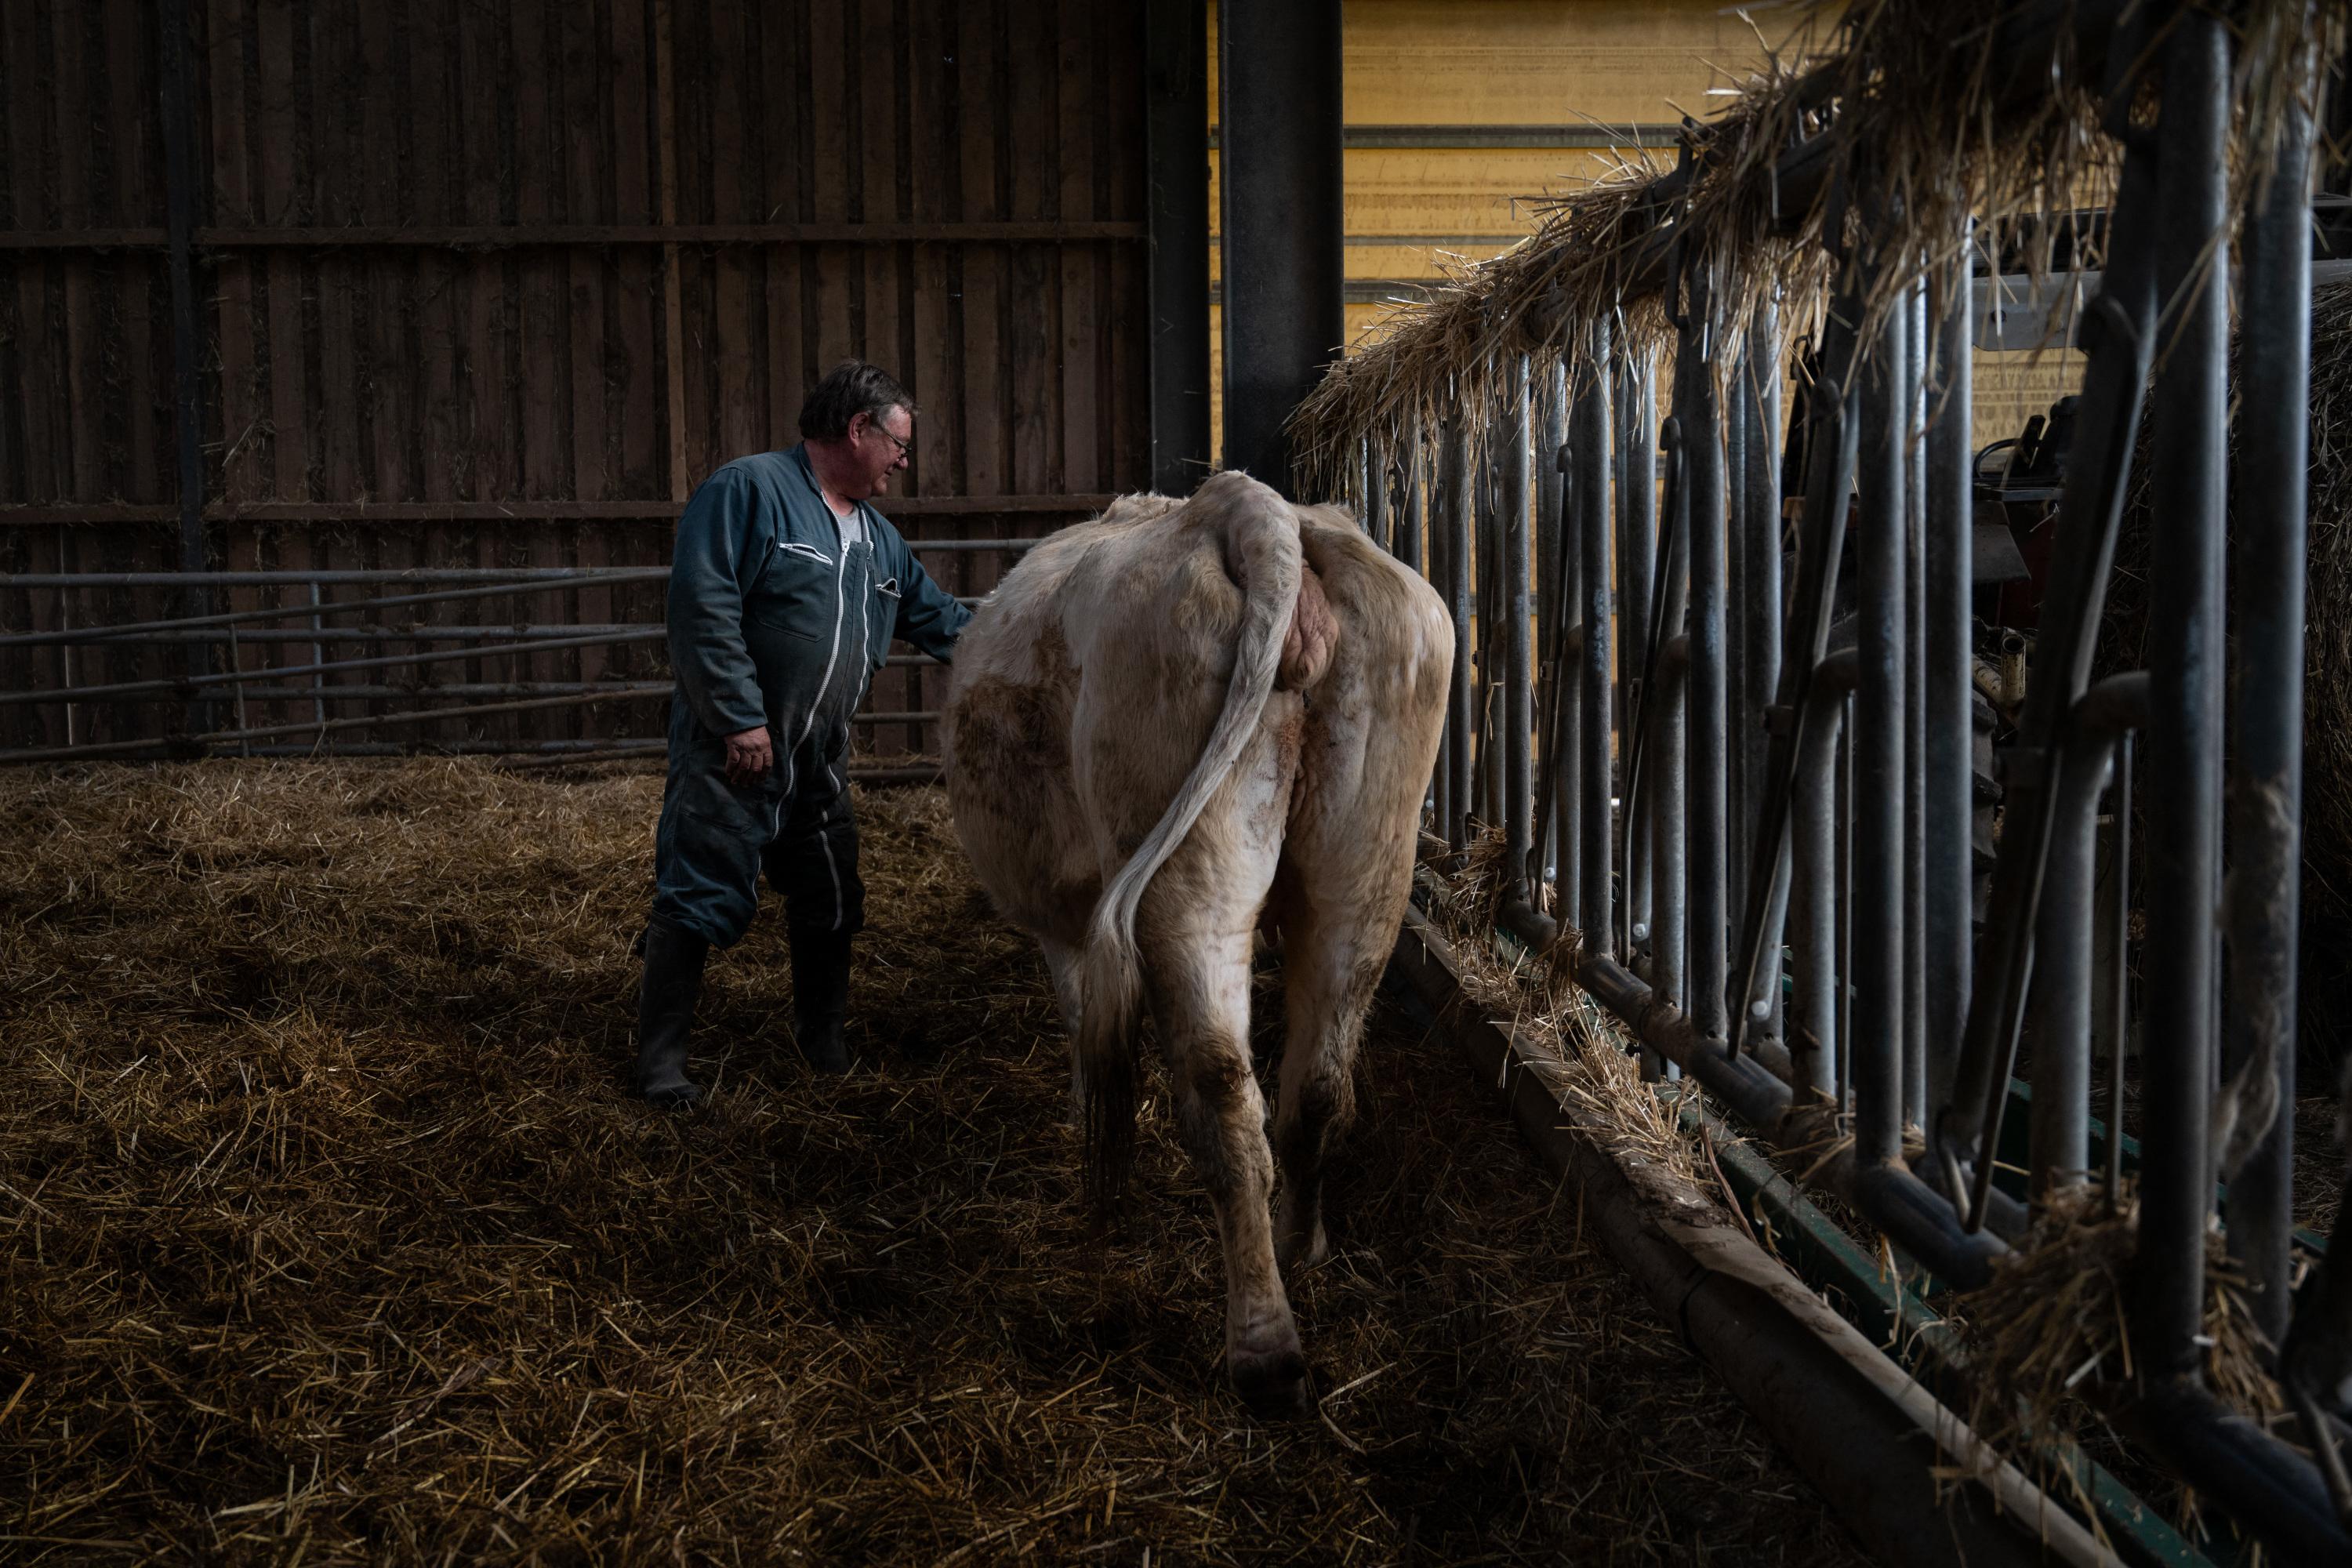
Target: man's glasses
pixel 903 446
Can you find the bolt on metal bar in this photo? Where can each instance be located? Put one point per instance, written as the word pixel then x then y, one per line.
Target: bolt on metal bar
pixel 1949 759
pixel 2060 1123
pixel 1596 723
pixel 1875 1044
pixel 2266 794
pixel 2188 424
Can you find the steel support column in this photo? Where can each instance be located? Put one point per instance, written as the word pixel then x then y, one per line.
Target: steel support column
pixel 2267 793
pixel 1874 1047
pixel 1282 226
pixel 1176 154
pixel 2184 738
pixel 1595 724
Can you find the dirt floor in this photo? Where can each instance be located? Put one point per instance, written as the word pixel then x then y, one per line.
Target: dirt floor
pixel 332 1236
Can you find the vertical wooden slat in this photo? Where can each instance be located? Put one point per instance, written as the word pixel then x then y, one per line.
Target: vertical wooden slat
pixel 637 281
pixel 40 364
pixel 386 282
pixel 243 476
pixel 741 415
pixel 277 200
pixel 83 351
pixel 673 318
pixel 586 94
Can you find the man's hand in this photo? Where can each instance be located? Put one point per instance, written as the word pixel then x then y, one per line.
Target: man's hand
pixel 749 757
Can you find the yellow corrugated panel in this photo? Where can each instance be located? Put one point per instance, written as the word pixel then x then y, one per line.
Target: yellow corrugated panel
pixel 1535 62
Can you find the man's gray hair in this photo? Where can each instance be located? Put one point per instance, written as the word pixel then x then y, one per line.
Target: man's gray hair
pixel 853 387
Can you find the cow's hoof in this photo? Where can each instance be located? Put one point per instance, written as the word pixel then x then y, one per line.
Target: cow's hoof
pixel 1299 1253
pixel 674 1097
pixel 1271 1384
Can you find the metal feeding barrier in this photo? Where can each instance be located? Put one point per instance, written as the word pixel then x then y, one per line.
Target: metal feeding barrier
pixel 214 702
pixel 1739 732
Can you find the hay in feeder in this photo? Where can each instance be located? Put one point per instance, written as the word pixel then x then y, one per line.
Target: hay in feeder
pixel 335 1235
pixel 2050 1336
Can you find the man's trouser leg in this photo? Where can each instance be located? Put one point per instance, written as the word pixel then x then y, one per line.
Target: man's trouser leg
pixel 813 864
pixel 707 857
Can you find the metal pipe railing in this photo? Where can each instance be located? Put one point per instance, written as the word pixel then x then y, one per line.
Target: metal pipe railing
pixel 1874 1045
pixel 1699 406
pixel 1595 721
pixel 2188 408
pixel 2061 1127
pixel 1949 761
pixel 2264 906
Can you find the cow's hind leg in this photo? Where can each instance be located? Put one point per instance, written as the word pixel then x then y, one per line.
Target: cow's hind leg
pixel 1331 968
pixel 1201 993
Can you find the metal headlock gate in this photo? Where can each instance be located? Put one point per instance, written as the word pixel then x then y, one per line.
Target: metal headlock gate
pixel 1755 778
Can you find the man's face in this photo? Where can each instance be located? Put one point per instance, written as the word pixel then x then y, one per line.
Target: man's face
pixel 881 444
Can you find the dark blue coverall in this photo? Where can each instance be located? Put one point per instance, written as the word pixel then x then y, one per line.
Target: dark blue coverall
pixel 772 620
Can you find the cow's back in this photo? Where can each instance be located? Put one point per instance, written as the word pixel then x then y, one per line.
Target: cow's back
pixel 1080 697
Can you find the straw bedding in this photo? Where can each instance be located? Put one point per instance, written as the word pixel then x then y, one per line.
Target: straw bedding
pixel 332 1236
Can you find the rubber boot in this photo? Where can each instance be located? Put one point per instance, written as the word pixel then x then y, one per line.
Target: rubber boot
pixel 666 1000
pixel 821 997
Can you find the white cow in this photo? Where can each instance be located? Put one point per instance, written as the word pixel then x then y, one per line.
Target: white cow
pixel 1166 730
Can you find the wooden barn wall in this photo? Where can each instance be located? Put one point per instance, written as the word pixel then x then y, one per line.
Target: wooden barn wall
pixel 495 285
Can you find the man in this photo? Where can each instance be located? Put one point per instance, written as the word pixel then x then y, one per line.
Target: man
pixel 786 590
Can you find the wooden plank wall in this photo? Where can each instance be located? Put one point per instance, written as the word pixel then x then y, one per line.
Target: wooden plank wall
pixel 495 285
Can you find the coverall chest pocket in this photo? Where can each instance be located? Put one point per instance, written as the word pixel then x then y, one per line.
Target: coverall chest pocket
pixel 799 594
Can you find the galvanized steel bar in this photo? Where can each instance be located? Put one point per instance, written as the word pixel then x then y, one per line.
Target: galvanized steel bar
pixel 1914 707
pixel 1695 395
pixel 2061 1132
pixel 313 607
pixel 1761 617
pixel 169 745
pixel 1552 614
pixel 2118 334
pixel 2189 408
pixel 1950 777
pixel 1874 1045
pixel 1637 510
pixel 1834 424
pixel 2266 792
pixel 1454 512
pixel 1814 1038
pixel 1596 724
pixel 1512 598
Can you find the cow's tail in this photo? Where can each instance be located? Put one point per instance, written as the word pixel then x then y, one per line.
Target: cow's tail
pixel 1262 548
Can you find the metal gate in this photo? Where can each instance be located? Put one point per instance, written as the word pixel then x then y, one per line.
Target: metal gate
pixel 1726 726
